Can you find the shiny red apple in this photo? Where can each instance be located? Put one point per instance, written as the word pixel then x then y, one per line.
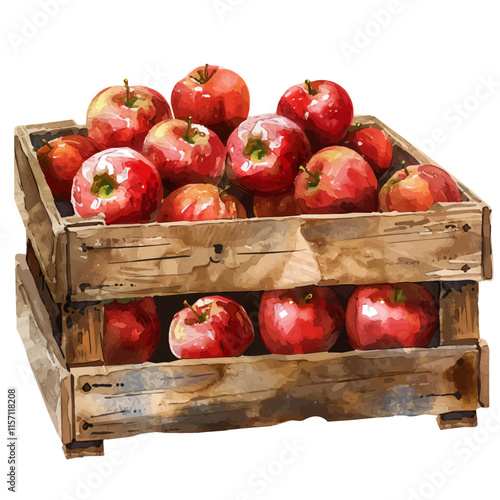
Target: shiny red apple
pixel 417 188
pixel 213 96
pixel 131 331
pixel 336 180
pixel 200 202
pixel 275 205
pixel 185 153
pixel 301 320
pixel 373 145
pixel 212 327
pixel 265 153
pixel 61 158
pixel 389 316
pixel 119 183
pixel 322 108
pixel 122 116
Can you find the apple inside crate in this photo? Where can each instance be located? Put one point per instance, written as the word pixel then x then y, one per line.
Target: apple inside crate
pixel 74 266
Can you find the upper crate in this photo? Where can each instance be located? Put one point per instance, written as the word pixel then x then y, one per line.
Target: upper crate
pixel 87 260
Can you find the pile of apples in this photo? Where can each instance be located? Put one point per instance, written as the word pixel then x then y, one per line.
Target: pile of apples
pixel 140 164
pixel 295 321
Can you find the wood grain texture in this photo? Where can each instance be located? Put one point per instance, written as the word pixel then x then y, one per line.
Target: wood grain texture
pixel 192 396
pixel 459 312
pixel 44 355
pixel 82 333
pixel 91 261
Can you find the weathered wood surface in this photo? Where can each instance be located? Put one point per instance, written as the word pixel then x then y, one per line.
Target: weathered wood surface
pixel 191 396
pixel 79 449
pixel 44 355
pixel 451 241
pixel 83 329
pixel 459 312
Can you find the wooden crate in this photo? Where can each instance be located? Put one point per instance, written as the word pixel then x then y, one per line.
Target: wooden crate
pixel 85 260
pixel 91 403
pixel 72 265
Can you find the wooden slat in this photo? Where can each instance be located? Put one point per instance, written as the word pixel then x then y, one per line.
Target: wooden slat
pixel 191 396
pixel 487 255
pixel 484 374
pixel 44 355
pixel 43 224
pixel 459 312
pixel 457 419
pixel 82 333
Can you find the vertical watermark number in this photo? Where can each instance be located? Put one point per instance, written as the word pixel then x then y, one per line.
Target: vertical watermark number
pixel 11 440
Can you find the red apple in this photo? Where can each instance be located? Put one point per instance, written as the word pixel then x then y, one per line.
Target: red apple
pixel 300 320
pixel 185 153
pixel 373 145
pixel 212 327
pixel 215 97
pixel 275 205
pixel 265 153
pixel 61 158
pixel 389 316
pixel 322 108
pixel 131 331
pixel 122 116
pixel 119 183
pixel 417 188
pixel 336 180
pixel 200 202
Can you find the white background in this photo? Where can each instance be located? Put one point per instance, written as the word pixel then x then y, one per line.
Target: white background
pixel 416 66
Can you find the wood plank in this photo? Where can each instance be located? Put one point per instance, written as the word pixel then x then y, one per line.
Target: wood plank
pixel 80 449
pixel 487 253
pixel 459 312
pixel 82 333
pixel 192 396
pixel 43 224
pixel 44 355
pixel 484 374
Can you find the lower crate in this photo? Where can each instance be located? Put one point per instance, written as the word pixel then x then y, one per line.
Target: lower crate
pixel 91 403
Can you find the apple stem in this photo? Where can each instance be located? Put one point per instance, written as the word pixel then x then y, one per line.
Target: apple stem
pixel 404 168
pixel 222 191
pixel 127 89
pixel 194 311
pixel 309 89
pixel 308 297
pixel 46 143
pixel 314 176
pixel 203 75
pixel 187 137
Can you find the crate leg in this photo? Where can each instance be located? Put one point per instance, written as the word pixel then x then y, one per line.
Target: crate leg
pixel 77 449
pixel 455 419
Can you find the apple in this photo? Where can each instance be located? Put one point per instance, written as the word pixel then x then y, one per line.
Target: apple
pixel 373 145
pixel 195 202
pixel 61 158
pixel 212 327
pixel 322 108
pixel 389 316
pixel 213 96
pixel 122 116
pixel 417 188
pixel 275 205
pixel 336 180
pixel 265 153
pixel 185 153
pixel 131 331
pixel 121 184
pixel 300 320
